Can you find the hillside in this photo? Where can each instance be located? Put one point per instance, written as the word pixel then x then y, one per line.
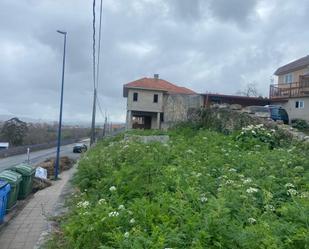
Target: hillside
pixel 202 189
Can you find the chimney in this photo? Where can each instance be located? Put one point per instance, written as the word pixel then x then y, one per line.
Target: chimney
pixel 156 76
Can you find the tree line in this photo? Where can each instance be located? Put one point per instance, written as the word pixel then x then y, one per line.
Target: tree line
pixel 18 132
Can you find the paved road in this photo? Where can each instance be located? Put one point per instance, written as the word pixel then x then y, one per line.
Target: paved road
pixel 38 156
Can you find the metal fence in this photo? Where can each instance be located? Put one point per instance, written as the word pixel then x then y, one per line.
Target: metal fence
pixel 23 149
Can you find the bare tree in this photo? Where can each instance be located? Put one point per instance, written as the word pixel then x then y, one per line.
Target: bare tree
pixel 250 91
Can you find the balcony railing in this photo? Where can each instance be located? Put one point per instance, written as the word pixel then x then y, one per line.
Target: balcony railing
pixel 289 90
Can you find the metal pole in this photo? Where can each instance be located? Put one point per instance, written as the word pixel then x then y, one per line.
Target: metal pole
pixel 61 104
pixel 28 155
pixel 92 137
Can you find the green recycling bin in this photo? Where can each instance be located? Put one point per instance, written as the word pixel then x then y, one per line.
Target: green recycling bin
pixel 14 179
pixel 27 172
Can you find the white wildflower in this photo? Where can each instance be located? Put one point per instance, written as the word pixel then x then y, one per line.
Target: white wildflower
pixel 126 234
pixel 291 192
pixel 304 195
pixel 252 190
pixel 289 185
pixel 203 198
pixel 229 182
pixel 298 168
pixel 132 221
pixel 83 204
pixel 102 201
pixel 121 207
pixel 112 188
pixel 269 207
pixel 232 170
pixel 113 214
pixel 248 180
pixel 251 220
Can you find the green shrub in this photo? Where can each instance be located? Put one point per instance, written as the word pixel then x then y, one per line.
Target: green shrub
pixel 300 124
pixel 201 190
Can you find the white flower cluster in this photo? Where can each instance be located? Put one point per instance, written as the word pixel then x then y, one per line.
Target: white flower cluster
pixel 248 180
pixel 251 220
pixel 112 188
pixel 132 221
pixel 291 191
pixel 113 214
pixel 252 190
pixel 232 170
pixel 121 207
pixel 203 198
pixel 255 128
pixel 83 204
pixel 102 201
pixel 289 185
pixel 229 182
pixel 126 234
pixel 269 207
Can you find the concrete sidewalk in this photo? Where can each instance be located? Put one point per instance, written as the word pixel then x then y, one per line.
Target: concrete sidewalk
pixel 24 231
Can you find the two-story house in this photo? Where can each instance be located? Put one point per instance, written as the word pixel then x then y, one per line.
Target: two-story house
pixel 292 89
pixel 152 102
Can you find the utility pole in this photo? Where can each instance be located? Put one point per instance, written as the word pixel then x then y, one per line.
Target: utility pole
pixel 61 103
pixel 104 127
pixel 92 138
pixel 96 71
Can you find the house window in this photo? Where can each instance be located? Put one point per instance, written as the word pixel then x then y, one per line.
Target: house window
pixel 288 78
pixel 299 104
pixel 162 117
pixel 155 98
pixel 135 96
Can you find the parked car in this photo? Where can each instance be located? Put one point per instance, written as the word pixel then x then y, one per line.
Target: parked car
pixel 79 148
pixel 260 111
pixel 278 113
pixel 275 112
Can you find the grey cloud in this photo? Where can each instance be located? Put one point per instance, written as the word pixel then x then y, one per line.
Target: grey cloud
pixel 238 11
pixel 210 45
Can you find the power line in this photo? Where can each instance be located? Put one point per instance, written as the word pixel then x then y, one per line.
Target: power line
pixel 100 107
pixel 93 44
pixel 99 45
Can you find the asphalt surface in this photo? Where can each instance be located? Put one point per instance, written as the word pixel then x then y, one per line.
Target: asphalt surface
pixel 39 156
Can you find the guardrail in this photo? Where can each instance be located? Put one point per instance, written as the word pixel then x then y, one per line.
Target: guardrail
pixel 295 89
pixel 23 149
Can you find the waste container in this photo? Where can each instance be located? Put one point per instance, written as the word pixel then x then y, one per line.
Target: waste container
pixel 14 179
pixel 4 191
pixel 27 172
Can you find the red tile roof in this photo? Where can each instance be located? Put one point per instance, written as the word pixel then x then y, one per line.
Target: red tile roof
pixel 156 84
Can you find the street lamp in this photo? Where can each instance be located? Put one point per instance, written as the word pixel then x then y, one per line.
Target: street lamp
pixel 61 102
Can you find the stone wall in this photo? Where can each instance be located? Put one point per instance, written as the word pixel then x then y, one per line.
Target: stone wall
pixel 178 106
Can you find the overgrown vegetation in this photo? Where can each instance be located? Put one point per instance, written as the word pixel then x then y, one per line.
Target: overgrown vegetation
pixel 301 125
pixel 202 189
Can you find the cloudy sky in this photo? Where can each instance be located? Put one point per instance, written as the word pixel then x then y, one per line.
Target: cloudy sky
pixel 206 45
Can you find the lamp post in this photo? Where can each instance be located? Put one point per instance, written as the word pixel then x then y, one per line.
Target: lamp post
pixel 61 102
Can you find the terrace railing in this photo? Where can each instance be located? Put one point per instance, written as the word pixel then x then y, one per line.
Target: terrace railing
pixel 289 90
